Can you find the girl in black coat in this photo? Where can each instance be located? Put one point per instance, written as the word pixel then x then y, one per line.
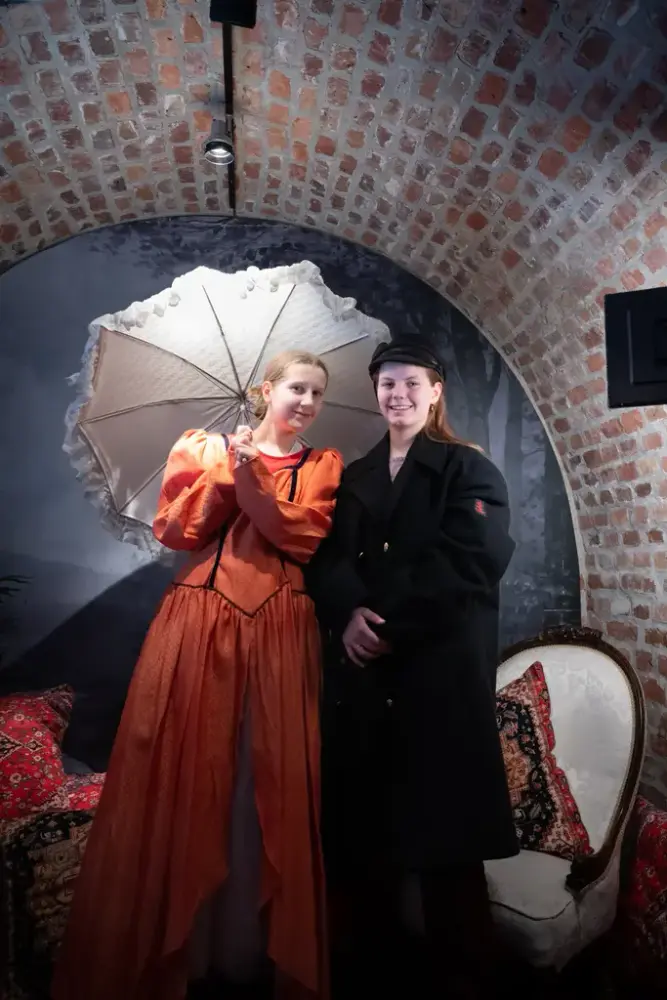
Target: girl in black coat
pixel 407 591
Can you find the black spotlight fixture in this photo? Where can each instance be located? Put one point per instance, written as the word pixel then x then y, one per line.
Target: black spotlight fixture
pixel 219 147
pixel 241 13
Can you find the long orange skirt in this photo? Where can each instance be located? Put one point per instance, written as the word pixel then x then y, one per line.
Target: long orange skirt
pixel 158 847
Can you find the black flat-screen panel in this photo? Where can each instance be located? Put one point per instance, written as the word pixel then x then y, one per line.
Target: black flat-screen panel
pixel 242 13
pixel 636 339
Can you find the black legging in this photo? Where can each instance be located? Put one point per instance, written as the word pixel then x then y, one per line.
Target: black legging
pixel 459 929
pixel 460 943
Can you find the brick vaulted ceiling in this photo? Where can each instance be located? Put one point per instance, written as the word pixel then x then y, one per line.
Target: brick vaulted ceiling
pixel 514 155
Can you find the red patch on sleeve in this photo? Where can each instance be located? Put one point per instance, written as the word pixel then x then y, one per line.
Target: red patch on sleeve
pixel 480 508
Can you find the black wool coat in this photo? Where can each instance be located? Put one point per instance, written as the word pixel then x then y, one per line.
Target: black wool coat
pixel 412 766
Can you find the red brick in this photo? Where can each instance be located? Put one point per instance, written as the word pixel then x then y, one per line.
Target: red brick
pixel 631 280
pixel 492 89
pixel 338 91
pixel 9 232
pixel 460 151
pixel 169 76
pixel 435 144
pixel 508 121
pixel 59 111
pixel 138 62
pixel 343 59
pixel 623 631
pixel 381 49
pixel 510 259
pixel 623 215
pixel 515 211
pixel 477 221
pixel 560 95
pixel 6 126
pixel 637 157
pixel 353 20
pixel 598 100
pixel 551 163
pixel 302 128
pixel 146 95
pixel 429 84
pixel 11 73
pixel 192 30
pixel 492 153
pixel 524 91
pixel 390 12
pixel 166 43
pixel 10 192
pixel 372 84
pixel 576 132
pixel 511 52
pixel 655 259
pixel 325 146
pixel 652 227
pixel 35 47
pixel 655 637
pixel 605 144
pixel 474 123
pixel 443 46
pixel 594 49
pixel 314 33
pixel 507 181
pixel 533 17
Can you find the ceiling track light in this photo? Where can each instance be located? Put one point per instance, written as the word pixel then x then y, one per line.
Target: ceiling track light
pixel 219 147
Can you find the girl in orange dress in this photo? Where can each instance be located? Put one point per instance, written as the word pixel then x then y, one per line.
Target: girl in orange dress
pixel 210 809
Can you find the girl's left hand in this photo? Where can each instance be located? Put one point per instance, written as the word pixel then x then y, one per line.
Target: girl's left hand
pixel 243 447
pixel 245 453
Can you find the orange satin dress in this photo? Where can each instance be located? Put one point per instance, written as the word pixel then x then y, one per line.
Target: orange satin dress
pixel 235 629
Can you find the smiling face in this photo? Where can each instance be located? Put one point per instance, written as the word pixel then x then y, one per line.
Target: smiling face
pixel 405 396
pixel 295 400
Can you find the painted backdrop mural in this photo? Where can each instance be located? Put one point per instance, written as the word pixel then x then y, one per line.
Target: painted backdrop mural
pixel 87 599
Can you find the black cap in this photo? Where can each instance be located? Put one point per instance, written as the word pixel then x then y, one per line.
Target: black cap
pixel 408 351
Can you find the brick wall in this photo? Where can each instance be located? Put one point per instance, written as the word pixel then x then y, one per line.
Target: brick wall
pixel 513 155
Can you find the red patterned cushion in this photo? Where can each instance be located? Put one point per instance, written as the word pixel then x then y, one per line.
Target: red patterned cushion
pixel 84 790
pixel 546 816
pixel 640 934
pixel 32 727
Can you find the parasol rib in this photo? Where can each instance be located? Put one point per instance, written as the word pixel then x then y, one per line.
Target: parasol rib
pixel 260 353
pixel 224 340
pixel 157 402
pixel 158 471
pixel 171 354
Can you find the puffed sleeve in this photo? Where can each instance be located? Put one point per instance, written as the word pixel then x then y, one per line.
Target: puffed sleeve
pixel 197 495
pixel 296 529
pixel 468 556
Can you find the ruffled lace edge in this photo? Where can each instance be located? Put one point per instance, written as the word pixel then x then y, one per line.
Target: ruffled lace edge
pixel 82 457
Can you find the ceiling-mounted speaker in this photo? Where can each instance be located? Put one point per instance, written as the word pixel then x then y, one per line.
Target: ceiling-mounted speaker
pixel 241 13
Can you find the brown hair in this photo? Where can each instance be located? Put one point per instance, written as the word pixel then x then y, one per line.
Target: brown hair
pixel 437 426
pixel 276 371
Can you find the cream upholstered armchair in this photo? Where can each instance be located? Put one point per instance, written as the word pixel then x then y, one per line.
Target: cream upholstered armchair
pixel 548 909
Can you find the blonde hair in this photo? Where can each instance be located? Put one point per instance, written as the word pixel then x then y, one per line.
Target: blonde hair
pixel 276 371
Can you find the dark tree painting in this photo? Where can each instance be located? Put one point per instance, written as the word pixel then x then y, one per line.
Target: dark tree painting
pixel 89 599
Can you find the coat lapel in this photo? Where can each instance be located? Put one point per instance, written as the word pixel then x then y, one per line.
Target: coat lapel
pixel 369 478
